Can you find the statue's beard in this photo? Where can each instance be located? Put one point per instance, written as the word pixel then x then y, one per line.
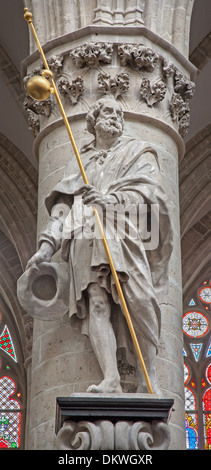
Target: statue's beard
pixel 108 128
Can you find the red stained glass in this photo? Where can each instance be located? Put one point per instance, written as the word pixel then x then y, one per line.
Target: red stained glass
pixel 3 444
pixel 6 343
pixel 207 430
pixel 207 400
pixel 195 324
pixel 208 373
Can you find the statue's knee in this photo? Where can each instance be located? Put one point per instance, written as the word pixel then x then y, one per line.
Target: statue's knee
pixel 98 302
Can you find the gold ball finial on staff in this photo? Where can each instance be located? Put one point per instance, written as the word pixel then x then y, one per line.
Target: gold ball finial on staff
pixel 28 15
pixel 38 88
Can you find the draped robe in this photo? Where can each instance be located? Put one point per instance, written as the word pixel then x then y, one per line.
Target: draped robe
pixel 129 170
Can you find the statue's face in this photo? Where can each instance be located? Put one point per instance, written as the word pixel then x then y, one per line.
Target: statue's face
pixel 109 122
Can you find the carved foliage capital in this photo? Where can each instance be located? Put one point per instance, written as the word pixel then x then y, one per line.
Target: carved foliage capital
pixel 159 79
pixel 71 90
pixel 152 92
pixel 180 99
pixel 116 85
pixel 92 54
pixel 137 56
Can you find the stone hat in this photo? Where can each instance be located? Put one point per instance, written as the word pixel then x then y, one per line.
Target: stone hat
pixel 44 292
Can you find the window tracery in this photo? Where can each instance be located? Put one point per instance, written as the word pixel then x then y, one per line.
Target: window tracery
pixel 197 368
pixel 10 414
pixel 11 387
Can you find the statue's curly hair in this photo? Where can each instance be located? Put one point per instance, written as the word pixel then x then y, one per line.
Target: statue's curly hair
pixel 95 110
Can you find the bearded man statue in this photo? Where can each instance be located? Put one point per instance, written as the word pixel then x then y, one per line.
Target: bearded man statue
pixel 123 173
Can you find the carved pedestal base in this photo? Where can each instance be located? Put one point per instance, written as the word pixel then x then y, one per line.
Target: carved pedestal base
pixel 124 422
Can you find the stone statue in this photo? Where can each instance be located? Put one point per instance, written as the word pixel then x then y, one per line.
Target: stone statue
pixel 122 172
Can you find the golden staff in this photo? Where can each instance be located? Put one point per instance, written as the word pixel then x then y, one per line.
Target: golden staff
pixel 38 87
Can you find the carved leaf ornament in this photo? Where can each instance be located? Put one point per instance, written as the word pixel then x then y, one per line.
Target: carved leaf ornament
pixel 92 54
pixel 72 90
pixel 115 86
pixel 137 56
pixel 152 92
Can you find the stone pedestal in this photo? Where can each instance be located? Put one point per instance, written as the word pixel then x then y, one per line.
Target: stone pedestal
pixel 124 422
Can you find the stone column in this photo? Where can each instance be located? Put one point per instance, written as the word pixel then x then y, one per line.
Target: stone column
pixel 152 80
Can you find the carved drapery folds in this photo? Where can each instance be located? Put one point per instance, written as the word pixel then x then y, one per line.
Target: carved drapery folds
pixel 122 435
pixel 157 78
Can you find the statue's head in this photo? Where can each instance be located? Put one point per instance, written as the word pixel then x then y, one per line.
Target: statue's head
pixel 106 117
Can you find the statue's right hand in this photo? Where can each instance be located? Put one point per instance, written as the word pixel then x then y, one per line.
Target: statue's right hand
pixel 44 254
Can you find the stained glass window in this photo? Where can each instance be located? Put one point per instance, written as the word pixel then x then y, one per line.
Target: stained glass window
pixel 195 324
pixel 196 349
pixel 205 294
pixel 209 351
pixel 190 400
pixel 186 373
pixel 197 367
pixel 191 419
pixel 10 414
pixel 203 383
pixel 208 373
pixel 6 343
pixel 207 430
pixel 191 430
pixel 184 352
pixel 207 400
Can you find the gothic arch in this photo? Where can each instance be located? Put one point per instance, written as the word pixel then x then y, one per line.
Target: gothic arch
pixel 195 210
pixel 196 266
pixel 11 77
pixel 195 179
pixel 202 53
pixel 18 207
pixel 18 197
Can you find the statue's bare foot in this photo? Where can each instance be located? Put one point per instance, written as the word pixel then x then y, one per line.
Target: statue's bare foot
pixel 106 386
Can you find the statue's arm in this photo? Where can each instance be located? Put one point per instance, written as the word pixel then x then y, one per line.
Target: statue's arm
pixel 49 241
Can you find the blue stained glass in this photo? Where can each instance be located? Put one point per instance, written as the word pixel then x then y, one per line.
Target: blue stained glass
pixel 191 438
pixel 209 351
pixel 192 302
pixel 196 349
pixel 184 352
pixel 191 428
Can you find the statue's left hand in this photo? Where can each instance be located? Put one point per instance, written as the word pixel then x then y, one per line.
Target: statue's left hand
pixel 92 196
pixel 44 254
